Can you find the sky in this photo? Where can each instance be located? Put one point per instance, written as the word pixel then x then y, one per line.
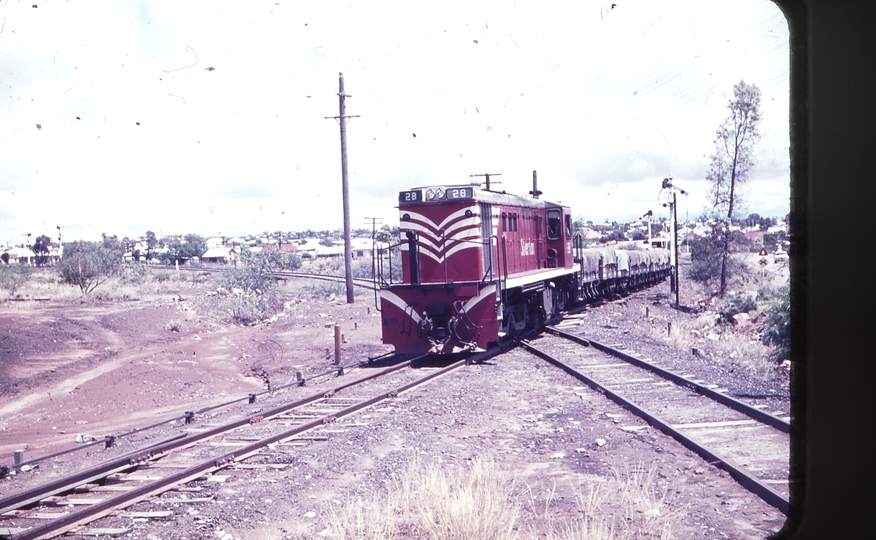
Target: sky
pixel 210 117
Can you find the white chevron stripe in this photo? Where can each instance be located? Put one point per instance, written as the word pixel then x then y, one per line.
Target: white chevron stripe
pixel 473 242
pixel 427 233
pixel 437 227
pixel 402 305
pixel 394 299
pixel 465 230
pixel 475 300
pixel 427 239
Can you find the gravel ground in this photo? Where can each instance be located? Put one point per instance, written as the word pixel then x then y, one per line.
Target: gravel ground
pixel 107 367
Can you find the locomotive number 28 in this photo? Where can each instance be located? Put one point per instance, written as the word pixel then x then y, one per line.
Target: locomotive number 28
pixel 410 196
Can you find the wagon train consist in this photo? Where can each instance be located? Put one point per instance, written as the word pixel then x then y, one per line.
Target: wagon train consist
pixel 479 266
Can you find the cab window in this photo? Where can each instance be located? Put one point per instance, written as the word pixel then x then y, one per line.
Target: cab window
pixel 554 225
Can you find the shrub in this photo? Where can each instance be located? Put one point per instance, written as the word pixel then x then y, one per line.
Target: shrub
pixel 13 276
pixel 705 259
pixel 252 287
pixel 114 292
pixel 777 328
pixel 361 268
pixel 134 274
pixel 325 288
pixel 735 304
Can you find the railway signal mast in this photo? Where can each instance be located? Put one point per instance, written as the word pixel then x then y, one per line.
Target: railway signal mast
pixel 673 212
pixel 348 254
pixel 648 214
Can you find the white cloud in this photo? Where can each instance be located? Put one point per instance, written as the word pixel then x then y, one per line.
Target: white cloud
pixel 602 103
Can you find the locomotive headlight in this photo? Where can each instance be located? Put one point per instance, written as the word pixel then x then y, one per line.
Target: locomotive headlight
pixel 439 193
pixel 430 194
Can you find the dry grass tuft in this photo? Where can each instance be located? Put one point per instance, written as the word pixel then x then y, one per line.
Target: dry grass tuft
pixel 112 291
pixel 630 505
pixel 478 500
pixel 175 325
pixel 431 501
pixel 46 284
pixel 368 518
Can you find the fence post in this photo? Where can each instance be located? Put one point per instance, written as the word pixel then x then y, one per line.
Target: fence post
pixel 337 344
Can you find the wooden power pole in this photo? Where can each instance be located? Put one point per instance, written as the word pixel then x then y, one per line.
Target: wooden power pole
pixel 348 255
pixel 487 175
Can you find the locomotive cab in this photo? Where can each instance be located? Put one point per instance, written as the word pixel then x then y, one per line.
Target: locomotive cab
pixel 559 238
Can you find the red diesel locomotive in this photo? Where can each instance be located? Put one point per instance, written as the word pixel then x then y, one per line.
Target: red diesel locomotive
pixel 479 266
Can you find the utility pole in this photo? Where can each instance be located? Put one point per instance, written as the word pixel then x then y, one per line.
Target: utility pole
pixel 342 120
pixel 60 245
pixel 487 175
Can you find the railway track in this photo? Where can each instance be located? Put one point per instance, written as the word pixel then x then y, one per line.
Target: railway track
pixel 72 502
pixel 750 444
pixel 357 282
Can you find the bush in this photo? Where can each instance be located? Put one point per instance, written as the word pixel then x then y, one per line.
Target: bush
pixel 247 308
pixel 777 328
pixel 134 274
pixel 326 288
pixel 361 268
pixel 252 287
pixel 735 304
pixel 13 276
pixel 705 259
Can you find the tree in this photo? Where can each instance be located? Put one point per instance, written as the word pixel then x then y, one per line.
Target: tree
pixel 578 226
pixel 88 264
pixel 705 254
pixel 41 248
pixel 151 245
pixel 734 159
pixel 387 234
pixel 180 252
pixel 753 220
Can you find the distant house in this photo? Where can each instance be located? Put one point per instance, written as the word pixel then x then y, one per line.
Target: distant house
pixel 285 248
pixel 20 255
pixel 660 241
pixel 755 235
pixel 220 255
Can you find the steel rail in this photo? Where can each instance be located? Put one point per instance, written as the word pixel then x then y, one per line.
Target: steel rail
pixel 107 506
pixel 358 282
pixel 133 459
pixel 109 440
pixel 740 406
pixel 746 480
